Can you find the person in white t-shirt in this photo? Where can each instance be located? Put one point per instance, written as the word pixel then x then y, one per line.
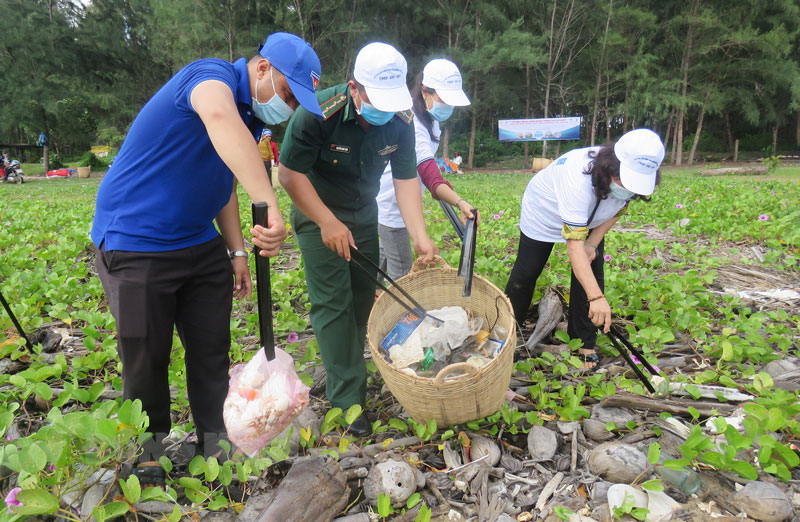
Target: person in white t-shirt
pixel 436 93
pixel 577 199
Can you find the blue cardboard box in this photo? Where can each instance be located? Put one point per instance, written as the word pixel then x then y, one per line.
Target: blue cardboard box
pixel 401 331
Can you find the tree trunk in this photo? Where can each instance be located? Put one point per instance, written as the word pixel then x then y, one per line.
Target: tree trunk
pixel 445 141
pixel 230 31
pixel 625 110
pixel 687 56
pixel 675 139
pixel 527 107
pixel 774 140
pixel 600 69
pixel 549 79
pixel 728 132
pixel 668 134
pixel 474 124
pixel 605 109
pixel 348 66
pixel 474 127
pixel 697 134
pixel 699 125
pixel 797 131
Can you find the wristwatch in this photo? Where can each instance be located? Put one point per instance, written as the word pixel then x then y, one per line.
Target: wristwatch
pixel 238 253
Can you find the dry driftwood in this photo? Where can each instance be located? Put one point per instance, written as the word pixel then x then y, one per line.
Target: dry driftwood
pixel 676 407
pixel 314 489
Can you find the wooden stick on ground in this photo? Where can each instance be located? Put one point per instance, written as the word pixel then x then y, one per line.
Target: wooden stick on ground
pixel 548 490
pixel 674 406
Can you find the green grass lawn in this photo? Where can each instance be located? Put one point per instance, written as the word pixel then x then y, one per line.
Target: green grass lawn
pixel 786 173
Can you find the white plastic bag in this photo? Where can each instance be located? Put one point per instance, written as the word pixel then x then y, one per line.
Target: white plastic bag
pixel 445 337
pixel 264 397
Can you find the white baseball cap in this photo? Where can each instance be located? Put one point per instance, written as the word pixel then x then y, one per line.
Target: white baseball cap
pixel 640 153
pixel 381 69
pixel 444 77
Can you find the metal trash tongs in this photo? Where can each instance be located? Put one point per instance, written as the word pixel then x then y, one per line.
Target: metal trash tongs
pixel 466 263
pixel 417 309
pixel 453 217
pixel 467 234
pixel 263 291
pixel 615 334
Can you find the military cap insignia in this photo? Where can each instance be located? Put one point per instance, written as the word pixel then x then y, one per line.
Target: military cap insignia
pixel 332 106
pixel 406 116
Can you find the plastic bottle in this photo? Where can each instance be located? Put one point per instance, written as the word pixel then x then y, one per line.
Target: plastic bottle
pixel 426 363
pixel 687 480
pixel 499 333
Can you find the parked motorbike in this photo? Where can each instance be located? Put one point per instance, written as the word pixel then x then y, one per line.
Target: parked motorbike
pixel 13 173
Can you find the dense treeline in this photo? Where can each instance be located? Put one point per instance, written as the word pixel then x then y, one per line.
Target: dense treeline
pixel 702 73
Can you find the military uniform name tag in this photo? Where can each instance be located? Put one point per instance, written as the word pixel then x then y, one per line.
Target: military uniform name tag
pixel 340 148
pixel 387 150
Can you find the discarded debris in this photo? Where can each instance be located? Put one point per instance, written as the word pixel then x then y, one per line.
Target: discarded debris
pixel 551 312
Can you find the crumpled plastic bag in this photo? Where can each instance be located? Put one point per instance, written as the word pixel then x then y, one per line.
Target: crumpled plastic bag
pixel 445 337
pixel 264 397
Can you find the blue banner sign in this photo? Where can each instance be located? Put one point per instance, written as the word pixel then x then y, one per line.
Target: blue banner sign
pixel 540 129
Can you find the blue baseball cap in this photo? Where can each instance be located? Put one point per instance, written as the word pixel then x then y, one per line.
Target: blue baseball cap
pixel 296 60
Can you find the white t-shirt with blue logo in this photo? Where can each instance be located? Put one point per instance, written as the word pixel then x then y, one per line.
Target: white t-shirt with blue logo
pixel 562 193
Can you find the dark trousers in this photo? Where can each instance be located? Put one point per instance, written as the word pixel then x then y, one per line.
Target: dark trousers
pixel 531 258
pixel 149 294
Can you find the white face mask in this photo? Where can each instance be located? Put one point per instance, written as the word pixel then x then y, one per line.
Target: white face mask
pixel 620 192
pixel 273 111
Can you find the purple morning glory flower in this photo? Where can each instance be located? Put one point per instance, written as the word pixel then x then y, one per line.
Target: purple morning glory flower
pixel 637 361
pixel 730 186
pixel 678 206
pixel 496 216
pixel 687 189
pixel 697 201
pixel 293 337
pixel 606 257
pixel 763 217
pixel 502 212
pixel 11 499
pixel 710 197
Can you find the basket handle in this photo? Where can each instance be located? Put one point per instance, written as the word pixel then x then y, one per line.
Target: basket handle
pixel 419 266
pixel 447 370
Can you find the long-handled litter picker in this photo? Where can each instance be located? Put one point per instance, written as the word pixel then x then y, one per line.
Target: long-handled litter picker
pixel 617 337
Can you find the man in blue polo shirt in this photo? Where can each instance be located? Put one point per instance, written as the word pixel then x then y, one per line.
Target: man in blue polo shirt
pixel 161 260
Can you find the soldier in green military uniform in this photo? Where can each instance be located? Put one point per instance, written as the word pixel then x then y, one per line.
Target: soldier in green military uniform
pixel 331 169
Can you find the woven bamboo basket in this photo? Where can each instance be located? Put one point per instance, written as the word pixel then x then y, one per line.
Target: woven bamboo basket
pixel 540 164
pixel 449 399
